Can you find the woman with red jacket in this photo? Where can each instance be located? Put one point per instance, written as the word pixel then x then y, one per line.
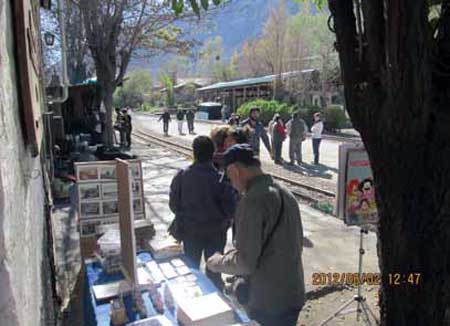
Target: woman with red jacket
pixel 279 135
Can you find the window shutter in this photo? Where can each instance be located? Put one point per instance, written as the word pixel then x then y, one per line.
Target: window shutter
pixel 27 40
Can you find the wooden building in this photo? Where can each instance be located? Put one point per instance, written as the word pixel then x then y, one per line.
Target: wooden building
pixel 234 93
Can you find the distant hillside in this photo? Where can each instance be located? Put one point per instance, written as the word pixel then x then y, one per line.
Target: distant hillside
pixel 239 21
pixel 244 20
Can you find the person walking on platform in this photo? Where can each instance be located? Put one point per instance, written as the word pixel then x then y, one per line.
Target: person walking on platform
pixel 316 135
pixel 190 116
pixel 268 245
pixel 296 129
pixel 165 117
pixel 256 132
pixel 180 119
pixel 127 127
pixel 203 205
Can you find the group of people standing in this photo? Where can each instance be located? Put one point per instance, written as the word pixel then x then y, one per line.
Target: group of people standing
pixel 180 116
pixel 124 126
pixel 296 129
pixel 226 187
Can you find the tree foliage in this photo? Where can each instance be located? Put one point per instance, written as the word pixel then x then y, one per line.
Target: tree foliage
pixel 267 109
pixel 293 43
pixel 136 90
pixel 213 63
pixel 168 83
pixel 116 29
pixel 395 62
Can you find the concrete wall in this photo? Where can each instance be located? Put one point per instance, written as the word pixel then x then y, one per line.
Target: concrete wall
pixel 25 276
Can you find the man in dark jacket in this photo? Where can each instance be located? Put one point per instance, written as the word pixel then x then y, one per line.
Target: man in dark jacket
pixel 256 131
pixel 165 117
pixel 204 205
pixel 190 116
pixel 127 126
pixel 268 244
pixel 180 119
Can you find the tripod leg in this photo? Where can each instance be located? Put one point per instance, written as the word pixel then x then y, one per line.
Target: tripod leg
pixel 338 312
pixel 365 314
pixel 372 314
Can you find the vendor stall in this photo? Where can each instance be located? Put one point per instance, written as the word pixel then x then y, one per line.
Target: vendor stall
pixel 168 288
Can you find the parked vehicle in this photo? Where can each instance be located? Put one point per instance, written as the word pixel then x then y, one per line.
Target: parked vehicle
pixel 209 111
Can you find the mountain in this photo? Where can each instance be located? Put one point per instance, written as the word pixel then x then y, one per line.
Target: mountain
pixel 237 22
pixel 242 20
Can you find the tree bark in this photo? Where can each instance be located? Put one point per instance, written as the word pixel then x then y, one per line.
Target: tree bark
pixel 108 92
pixel 402 112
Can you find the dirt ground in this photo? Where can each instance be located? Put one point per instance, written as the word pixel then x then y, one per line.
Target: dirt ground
pixel 317 310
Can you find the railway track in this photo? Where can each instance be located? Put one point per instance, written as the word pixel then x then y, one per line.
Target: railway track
pixel 299 189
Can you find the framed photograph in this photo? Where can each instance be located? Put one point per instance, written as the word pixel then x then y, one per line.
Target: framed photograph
pixel 89 191
pixel 86 173
pixel 109 190
pixel 108 173
pixel 109 221
pixel 88 228
pixel 110 207
pixel 90 209
pixel 136 188
pixel 137 206
pixel 135 170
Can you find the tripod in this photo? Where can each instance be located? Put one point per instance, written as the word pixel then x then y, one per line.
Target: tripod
pixel 362 308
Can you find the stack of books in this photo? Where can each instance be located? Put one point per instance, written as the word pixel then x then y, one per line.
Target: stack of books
pixel 164 248
pixel 205 310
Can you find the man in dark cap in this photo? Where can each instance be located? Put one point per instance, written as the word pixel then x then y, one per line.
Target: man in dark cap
pixel 268 243
pixel 256 131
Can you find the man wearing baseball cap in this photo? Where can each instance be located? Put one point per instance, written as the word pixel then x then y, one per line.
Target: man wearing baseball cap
pixel 256 131
pixel 268 244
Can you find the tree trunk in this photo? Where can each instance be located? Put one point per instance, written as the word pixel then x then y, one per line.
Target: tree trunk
pixel 108 92
pixel 402 112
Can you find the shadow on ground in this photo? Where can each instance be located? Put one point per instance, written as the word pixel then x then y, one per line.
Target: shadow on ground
pixel 310 170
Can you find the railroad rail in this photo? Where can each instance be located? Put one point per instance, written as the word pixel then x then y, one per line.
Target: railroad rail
pixel 299 189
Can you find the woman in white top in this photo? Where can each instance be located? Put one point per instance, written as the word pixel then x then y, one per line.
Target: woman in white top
pixel 316 135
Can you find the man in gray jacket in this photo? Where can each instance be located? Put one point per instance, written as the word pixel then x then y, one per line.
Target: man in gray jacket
pixel 268 244
pixel 296 129
pixel 256 131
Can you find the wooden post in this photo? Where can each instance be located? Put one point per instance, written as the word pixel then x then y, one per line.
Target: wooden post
pixel 126 223
pixel 233 101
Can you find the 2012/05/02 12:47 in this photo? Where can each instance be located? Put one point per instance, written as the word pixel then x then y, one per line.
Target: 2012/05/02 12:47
pixel 371 279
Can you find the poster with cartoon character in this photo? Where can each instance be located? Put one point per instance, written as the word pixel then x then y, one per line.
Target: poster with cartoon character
pixel 356 193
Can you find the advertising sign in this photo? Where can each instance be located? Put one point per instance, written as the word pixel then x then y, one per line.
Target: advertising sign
pixel 356 192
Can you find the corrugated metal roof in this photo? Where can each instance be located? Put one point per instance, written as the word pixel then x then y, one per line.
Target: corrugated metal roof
pixel 251 81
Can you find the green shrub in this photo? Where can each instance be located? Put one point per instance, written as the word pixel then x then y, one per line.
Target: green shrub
pixel 334 119
pixel 268 109
pixel 147 107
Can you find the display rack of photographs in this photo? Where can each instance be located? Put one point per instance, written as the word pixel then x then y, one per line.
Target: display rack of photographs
pixel 97 194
